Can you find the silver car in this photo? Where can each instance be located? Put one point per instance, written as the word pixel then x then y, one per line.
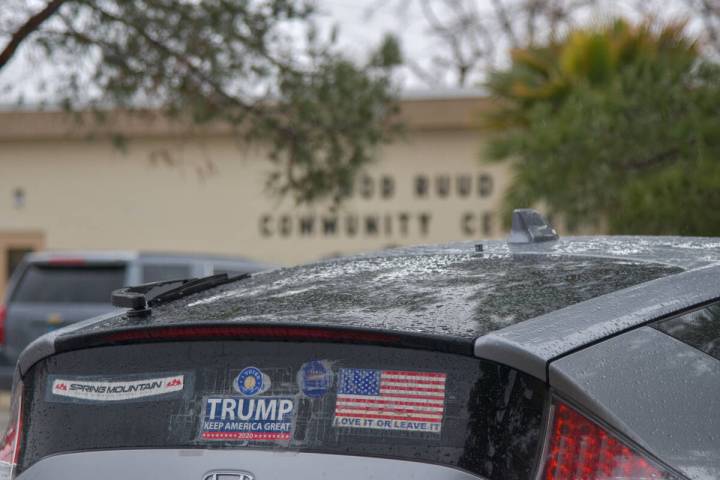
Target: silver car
pixel 50 290
pixel 572 359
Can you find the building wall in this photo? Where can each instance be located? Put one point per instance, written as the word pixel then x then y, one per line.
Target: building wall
pixel 204 192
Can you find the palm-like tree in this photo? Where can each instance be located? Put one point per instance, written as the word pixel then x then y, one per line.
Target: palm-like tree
pixel 589 58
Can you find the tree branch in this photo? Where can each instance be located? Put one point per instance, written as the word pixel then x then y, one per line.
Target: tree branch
pixel 31 25
pixel 660 158
pixel 187 62
pixel 709 13
pixel 503 18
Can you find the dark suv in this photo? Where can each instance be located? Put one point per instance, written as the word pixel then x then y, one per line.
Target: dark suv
pixel 52 289
pixel 584 358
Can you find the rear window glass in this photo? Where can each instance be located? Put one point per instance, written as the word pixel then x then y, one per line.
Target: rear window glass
pixel 700 328
pixel 69 284
pixel 344 399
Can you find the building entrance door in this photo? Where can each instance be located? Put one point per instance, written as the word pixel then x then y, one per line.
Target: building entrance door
pixel 13 247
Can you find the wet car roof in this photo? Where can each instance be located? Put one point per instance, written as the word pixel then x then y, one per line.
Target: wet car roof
pixel 687 253
pixel 449 290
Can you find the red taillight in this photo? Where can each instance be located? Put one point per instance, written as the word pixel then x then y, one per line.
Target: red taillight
pixel 3 314
pixel 66 261
pixel 10 444
pixel 252 332
pixel 579 449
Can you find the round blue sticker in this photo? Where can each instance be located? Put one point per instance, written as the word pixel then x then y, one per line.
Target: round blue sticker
pixel 251 381
pixel 315 379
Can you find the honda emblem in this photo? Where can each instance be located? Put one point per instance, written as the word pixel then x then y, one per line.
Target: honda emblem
pixel 228 475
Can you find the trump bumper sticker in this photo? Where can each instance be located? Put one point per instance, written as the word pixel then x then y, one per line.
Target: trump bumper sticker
pixel 315 378
pixel 263 419
pixel 92 389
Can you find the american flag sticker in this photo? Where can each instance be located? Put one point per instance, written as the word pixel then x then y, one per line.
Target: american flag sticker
pixel 390 400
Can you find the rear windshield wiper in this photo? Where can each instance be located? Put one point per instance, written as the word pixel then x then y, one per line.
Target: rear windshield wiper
pixel 140 298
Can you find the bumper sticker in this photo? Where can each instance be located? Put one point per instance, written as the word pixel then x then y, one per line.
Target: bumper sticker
pixel 247 419
pixel 315 378
pixel 114 389
pixel 390 400
pixel 251 381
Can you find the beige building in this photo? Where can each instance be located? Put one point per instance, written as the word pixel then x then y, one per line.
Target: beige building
pixel 171 190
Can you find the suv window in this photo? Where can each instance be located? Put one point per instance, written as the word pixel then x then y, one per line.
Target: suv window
pixel 346 399
pixel 42 283
pixel 700 328
pixel 160 272
pixel 230 272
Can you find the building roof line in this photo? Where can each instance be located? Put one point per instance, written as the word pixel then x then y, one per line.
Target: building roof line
pixel 418 114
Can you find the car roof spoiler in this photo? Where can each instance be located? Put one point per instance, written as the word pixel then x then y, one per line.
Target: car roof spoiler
pixel 531 345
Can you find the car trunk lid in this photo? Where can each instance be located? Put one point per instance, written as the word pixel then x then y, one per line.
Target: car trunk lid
pixel 324 394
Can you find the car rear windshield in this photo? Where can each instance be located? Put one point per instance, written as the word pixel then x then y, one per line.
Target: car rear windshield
pixel 43 283
pixel 699 328
pixel 407 404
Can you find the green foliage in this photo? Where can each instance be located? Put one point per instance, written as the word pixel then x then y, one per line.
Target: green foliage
pixel 620 126
pixel 328 119
pixel 586 58
pixel 681 199
pixel 260 65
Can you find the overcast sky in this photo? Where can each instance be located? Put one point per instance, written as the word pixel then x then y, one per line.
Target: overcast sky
pixel 362 25
pixel 363 22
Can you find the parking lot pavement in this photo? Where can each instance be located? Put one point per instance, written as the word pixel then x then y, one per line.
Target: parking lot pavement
pixel 4 410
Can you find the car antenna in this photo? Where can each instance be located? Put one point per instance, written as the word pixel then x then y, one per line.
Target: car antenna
pixel 529 226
